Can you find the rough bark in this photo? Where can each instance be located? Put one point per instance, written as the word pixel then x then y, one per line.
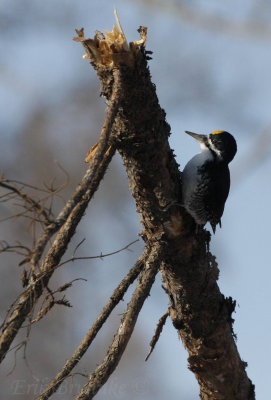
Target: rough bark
pixel 200 313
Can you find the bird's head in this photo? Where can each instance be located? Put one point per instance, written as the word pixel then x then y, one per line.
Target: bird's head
pixel 221 143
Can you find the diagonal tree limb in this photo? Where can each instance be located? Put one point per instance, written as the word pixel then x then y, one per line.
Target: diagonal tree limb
pixel 198 310
pixel 91 334
pixel 101 374
pixel 101 159
pixel 68 220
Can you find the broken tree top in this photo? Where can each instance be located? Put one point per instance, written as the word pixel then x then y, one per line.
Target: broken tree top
pixel 111 48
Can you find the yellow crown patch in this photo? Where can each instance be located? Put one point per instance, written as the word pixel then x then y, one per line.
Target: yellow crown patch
pixel 216 132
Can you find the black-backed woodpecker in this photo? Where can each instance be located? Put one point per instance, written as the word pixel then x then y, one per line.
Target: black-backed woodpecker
pixel 206 177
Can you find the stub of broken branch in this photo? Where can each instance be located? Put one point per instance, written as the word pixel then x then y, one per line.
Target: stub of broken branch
pixel 111 48
pixel 157 334
pixel 92 152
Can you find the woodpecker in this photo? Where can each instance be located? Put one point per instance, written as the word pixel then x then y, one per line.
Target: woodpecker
pixel 206 177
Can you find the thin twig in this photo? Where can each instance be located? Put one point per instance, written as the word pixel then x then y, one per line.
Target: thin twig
pixel 17 347
pixel 27 199
pixel 101 256
pixel 18 249
pixel 77 247
pixel 52 301
pixel 21 214
pixel 91 334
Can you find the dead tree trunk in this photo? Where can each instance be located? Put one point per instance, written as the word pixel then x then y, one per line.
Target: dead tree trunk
pixel 200 313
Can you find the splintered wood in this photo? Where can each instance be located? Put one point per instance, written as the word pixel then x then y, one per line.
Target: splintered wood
pixel 111 48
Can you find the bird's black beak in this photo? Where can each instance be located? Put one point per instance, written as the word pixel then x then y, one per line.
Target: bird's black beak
pixel 199 138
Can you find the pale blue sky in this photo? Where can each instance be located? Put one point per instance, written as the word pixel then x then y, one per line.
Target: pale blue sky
pixel 205 81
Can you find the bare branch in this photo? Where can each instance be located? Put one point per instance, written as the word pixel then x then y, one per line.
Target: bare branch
pixel 101 256
pixel 91 334
pixel 101 374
